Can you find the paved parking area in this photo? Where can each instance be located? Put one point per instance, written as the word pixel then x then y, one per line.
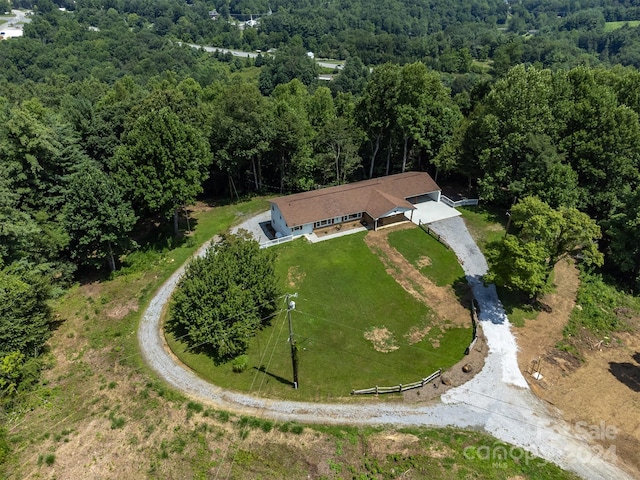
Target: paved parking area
pixel 429 212
pixel 257 226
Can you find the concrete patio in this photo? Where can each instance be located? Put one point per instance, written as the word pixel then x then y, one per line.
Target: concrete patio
pixel 429 212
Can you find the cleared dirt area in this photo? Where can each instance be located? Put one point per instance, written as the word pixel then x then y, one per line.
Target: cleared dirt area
pixel 589 394
pixel 442 300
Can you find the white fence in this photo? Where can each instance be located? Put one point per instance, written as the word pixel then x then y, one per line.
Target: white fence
pixel 277 241
pixel 459 203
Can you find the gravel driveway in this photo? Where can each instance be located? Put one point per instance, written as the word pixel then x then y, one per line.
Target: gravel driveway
pixel 496 400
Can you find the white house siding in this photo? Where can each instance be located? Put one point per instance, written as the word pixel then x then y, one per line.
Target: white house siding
pixel 277 221
pixel 304 229
pixel 280 226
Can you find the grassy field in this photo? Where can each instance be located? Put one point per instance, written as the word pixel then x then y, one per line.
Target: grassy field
pixel 343 293
pixel 604 311
pixel 99 411
pixel 247 74
pixel 484 223
pixel 434 260
pixel 610 26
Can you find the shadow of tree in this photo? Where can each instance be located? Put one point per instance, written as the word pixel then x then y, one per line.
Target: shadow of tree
pixel 627 373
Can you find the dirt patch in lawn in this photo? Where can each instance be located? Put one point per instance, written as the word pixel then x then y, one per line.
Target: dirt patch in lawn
pixel 118 312
pixel 424 261
pixel 382 339
pixel 587 393
pixel 416 334
pixel 295 276
pixel 442 300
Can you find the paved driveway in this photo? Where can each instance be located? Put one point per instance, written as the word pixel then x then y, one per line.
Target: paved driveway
pixel 257 226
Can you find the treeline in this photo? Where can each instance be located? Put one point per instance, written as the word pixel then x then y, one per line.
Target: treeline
pixel 453 37
pixel 571 138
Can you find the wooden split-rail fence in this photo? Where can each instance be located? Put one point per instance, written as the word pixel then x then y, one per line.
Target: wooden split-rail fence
pixel 398 388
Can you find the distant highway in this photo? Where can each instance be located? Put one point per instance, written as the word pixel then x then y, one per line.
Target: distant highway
pixel 239 53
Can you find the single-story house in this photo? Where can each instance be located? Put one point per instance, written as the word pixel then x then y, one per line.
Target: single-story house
pixel 377 202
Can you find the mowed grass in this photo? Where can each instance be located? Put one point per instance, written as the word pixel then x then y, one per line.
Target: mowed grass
pixel 343 292
pixel 611 26
pixel 420 249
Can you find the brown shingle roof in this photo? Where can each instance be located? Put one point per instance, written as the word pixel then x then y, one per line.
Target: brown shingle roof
pixel 376 197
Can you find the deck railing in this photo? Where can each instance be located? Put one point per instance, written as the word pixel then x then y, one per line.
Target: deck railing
pixel 276 241
pixel 458 203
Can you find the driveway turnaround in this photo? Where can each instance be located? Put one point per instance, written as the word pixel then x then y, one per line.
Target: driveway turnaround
pixel 496 400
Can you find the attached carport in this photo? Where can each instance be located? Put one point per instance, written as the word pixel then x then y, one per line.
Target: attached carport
pixel 430 211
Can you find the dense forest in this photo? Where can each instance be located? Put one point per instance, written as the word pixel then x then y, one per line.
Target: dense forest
pixel 109 124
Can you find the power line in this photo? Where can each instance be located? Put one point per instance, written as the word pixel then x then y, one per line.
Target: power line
pixel 259 389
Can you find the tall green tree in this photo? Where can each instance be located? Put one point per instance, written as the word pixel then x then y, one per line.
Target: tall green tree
pixel 97 217
pixel 518 109
pixel 375 110
pixel 352 78
pixel 425 115
pixel 601 141
pixel 293 134
pixel 543 236
pixel 290 62
pixel 241 133
pixel 162 164
pixel 623 230
pixel 518 266
pixel 225 297
pixel 25 317
pixel 562 232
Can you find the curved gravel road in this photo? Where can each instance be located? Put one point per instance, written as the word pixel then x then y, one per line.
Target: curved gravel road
pixel 496 400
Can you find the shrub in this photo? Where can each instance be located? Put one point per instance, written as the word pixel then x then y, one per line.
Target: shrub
pixel 240 363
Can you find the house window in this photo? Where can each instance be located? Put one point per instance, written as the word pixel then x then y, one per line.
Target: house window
pixel 353 216
pixel 296 228
pixel 323 223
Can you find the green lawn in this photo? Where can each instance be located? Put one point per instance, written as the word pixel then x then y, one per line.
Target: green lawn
pixel 610 26
pixel 485 224
pixel 419 248
pixel 343 292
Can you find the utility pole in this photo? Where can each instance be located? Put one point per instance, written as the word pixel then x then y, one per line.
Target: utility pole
pixel 291 305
